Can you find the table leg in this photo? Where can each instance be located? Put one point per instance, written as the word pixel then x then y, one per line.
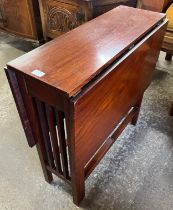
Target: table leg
pixel 78 185
pixel 137 110
pixel 47 174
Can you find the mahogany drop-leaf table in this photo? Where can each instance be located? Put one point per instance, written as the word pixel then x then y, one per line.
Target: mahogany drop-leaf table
pixel 76 94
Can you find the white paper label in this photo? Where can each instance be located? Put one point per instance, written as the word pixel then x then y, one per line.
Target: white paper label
pixel 38 73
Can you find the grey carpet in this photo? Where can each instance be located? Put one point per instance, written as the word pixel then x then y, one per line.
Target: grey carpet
pixel 136 173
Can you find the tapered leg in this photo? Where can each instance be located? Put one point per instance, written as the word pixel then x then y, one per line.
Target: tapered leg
pixel 78 186
pixel 42 155
pixel 171 111
pixel 137 110
pixel 76 166
pixel 168 56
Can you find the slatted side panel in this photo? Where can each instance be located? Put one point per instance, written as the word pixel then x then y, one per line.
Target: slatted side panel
pixel 53 128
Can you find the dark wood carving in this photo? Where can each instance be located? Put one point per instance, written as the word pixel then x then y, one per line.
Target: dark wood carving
pixel 60 19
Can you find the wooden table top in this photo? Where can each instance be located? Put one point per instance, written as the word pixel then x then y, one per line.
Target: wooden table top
pixel 73 59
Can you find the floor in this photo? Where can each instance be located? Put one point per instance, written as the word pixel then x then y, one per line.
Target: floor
pixel 136 174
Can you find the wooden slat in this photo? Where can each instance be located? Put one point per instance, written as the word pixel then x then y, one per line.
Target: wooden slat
pixel 59 175
pixel 28 115
pixel 45 131
pixel 62 142
pixel 50 117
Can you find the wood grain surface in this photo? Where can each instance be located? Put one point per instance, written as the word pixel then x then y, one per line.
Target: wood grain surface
pixel 73 59
pixel 21 18
pixel 98 110
pixel 110 61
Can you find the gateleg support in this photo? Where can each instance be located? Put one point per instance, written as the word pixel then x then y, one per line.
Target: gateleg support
pixel 137 110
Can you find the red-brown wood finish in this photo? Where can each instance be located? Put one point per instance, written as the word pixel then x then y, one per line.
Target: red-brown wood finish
pixel 94 81
pixel 92 45
pixel 102 110
pixel 21 18
pixel 155 5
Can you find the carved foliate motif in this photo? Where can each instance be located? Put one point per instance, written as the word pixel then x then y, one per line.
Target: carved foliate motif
pixel 60 19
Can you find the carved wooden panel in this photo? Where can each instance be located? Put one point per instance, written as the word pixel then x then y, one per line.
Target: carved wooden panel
pixel 60 17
